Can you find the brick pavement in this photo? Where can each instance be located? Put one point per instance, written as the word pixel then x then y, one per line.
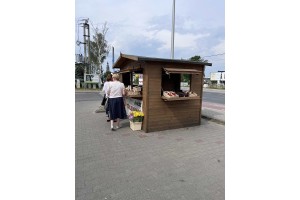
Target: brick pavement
pixel 187 163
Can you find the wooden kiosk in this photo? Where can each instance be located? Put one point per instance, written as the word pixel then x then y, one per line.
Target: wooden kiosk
pixel 161 78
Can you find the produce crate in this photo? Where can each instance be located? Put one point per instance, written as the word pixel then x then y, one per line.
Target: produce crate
pixel 136 126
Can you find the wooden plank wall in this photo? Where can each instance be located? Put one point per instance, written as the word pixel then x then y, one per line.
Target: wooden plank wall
pixel 161 115
pixel 145 98
pixel 197 86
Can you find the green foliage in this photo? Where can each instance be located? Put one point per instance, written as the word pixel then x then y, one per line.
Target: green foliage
pixel 99 47
pixel 198 58
pixel 79 71
pixel 105 74
pixel 185 78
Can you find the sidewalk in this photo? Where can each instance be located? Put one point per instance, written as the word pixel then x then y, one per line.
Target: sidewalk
pixel 214 112
pixel 179 164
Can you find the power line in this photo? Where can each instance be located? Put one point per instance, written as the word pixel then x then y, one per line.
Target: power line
pixel 214 55
pixel 217 60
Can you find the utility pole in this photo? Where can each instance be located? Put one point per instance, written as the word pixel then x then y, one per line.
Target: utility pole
pixel 113 56
pixel 84 45
pixel 89 47
pixel 173 30
pixel 86 41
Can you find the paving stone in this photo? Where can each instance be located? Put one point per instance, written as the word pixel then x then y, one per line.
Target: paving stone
pixel 124 164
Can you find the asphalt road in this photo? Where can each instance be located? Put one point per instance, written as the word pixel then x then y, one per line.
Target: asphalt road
pixel 88 96
pixel 214 97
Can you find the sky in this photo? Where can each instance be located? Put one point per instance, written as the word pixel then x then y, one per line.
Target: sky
pixel 143 28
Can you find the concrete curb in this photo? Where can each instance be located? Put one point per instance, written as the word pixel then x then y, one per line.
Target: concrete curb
pixel 213 119
pixel 214 90
pixel 87 90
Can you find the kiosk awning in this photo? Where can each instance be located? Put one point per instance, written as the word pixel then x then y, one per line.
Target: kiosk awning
pixel 124 71
pixel 182 71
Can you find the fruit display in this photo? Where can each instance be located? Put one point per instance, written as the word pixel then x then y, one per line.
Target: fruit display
pixel 133 91
pixel 170 94
pixel 182 94
pixel 192 94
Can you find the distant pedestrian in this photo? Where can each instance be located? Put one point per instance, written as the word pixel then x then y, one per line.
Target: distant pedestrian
pixel 106 96
pixel 116 105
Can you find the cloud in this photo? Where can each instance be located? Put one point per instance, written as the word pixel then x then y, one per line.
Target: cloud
pixel 144 28
pixel 219 48
pixel 187 40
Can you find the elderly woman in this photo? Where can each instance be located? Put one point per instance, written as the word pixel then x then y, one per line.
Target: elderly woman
pixel 117 111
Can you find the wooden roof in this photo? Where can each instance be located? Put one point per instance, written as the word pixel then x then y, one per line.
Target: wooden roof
pixel 124 57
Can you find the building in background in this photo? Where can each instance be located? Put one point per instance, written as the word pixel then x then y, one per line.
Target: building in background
pixel 217 79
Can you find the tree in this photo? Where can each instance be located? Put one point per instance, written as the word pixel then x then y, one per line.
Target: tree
pixel 198 58
pixel 99 48
pixel 105 74
pixel 79 71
